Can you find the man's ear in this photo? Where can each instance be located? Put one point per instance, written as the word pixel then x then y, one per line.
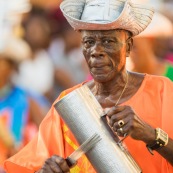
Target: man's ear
pixel 129 46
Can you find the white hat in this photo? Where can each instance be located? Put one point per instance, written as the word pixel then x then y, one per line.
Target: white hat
pixel 160 26
pixel 16 49
pixel 107 15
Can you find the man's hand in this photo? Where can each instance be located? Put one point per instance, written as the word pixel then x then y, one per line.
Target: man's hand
pixel 55 164
pixel 124 120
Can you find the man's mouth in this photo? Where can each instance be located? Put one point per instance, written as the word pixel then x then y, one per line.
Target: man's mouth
pixel 100 69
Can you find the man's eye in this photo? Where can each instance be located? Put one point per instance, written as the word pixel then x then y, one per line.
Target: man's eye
pixel 88 43
pixel 108 41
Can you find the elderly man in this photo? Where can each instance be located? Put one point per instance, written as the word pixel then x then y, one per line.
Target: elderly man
pixel 142 102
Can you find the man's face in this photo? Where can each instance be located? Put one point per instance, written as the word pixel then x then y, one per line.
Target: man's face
pixel 105 52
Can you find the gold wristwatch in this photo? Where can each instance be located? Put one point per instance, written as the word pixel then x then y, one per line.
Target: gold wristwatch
pixel 160 141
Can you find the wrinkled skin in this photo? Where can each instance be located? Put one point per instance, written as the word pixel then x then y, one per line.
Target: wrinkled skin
pixel 105 53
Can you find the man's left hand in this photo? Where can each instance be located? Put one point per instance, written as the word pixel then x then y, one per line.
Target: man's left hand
pixel 124 121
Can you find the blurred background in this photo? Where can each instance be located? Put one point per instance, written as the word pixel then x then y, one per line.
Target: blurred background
pixel 40 55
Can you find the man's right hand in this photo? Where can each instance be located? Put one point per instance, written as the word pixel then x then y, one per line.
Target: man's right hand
pixel 55 164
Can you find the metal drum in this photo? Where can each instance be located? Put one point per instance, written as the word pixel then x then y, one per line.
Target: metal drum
pixel 82 113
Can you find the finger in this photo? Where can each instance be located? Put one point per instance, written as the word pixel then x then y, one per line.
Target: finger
pixel 51 166
pixel 120 132
pixel 62 163
pixel 56 168
pixel 45 170
pixel 117 117
pixel 126 113
pixel 47 167
pixel 115 110
pixel 124 130
pixel 115 122
pixel 116 125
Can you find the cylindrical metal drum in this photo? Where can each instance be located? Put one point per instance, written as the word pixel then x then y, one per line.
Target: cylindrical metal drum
pixel 82 113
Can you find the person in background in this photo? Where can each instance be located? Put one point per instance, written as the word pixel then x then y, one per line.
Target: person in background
pixel 20 115
pixel 150 48
pixel 65 51
pixel 136 104
pixel 36 74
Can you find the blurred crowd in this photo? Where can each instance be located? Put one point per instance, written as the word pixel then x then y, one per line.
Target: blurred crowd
pixel 40 56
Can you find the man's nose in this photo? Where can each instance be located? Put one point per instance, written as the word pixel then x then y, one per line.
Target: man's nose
pixel 97 50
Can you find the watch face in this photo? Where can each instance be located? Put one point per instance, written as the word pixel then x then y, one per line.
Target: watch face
pixel 162 136
pixel 161 140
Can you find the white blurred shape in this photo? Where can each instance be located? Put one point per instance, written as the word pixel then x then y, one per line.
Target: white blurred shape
pixel 160 26
pixel 10 14
pixel 16 49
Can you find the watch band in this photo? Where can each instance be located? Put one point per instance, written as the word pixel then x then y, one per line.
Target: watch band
pixel 160 141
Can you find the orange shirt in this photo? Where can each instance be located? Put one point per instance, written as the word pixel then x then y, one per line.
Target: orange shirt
pixel 153 102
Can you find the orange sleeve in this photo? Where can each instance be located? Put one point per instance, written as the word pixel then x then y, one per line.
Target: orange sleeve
pixel 48 141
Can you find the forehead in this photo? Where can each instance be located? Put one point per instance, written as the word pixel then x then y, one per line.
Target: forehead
pixel 103 33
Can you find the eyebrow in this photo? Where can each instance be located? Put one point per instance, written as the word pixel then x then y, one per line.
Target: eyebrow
pixel 104 37
pixel 87 37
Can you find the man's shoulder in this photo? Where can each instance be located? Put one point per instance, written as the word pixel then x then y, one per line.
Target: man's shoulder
pixel 157 78
pixel 158 81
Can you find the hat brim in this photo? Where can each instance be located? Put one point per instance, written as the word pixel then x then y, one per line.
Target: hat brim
pixel 134 18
